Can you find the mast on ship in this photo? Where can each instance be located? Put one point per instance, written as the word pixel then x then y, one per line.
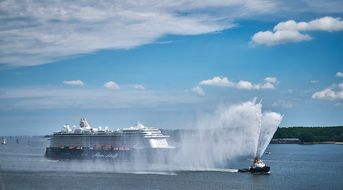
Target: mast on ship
pixel 4 141
pixel 84 124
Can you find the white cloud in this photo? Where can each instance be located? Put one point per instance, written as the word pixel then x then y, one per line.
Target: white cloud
pixel 266 85
pixel 216 81
pixel 242 84
pixel 339 74
pixel 111 85
pixel 139 87
pixel 322 24
pixel 278 37
pixel 198 90
pixel 38 32
pixel 334 92
pixel 73 82
pixel 290 31
pixel 269 83
pixel 271 80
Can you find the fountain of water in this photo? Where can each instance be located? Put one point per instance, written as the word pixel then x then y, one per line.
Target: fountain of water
pixel 230 132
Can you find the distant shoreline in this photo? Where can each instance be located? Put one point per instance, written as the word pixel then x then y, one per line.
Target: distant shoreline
pixel 283 135
pixel 314 135
pixel 310 143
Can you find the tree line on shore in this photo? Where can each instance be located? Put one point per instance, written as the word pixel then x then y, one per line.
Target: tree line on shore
pixel 305 134
pixel 311 134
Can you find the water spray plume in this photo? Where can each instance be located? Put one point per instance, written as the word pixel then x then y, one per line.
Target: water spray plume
pixel 269 125
pixel 230 132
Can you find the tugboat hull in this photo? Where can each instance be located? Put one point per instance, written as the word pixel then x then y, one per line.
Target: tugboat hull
pixel 256 170
pixel 264 169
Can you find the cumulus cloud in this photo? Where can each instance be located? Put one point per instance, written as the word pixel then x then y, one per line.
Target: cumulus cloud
pixel 38 32
pixel 271 79
pixel 73 82
pixel 269 83
pixel 266 85
pixel 111 85
pixel 322 24
pixel 335 92
pixel 244 85
pixel 270 38
pixel 339 74
pixel 198 90
pixel 216 81
pixel 290 31
pixel 139 87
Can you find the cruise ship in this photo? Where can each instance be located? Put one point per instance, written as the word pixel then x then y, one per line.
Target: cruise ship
pixel 85 142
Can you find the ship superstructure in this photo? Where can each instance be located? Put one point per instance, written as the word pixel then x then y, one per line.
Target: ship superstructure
pixel 87 142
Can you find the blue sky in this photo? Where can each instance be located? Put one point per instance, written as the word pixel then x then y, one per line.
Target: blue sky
pixel 167 63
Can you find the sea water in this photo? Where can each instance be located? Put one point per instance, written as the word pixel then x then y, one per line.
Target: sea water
pixel 23 166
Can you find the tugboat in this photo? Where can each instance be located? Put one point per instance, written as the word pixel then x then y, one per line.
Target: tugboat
pixel 258 167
